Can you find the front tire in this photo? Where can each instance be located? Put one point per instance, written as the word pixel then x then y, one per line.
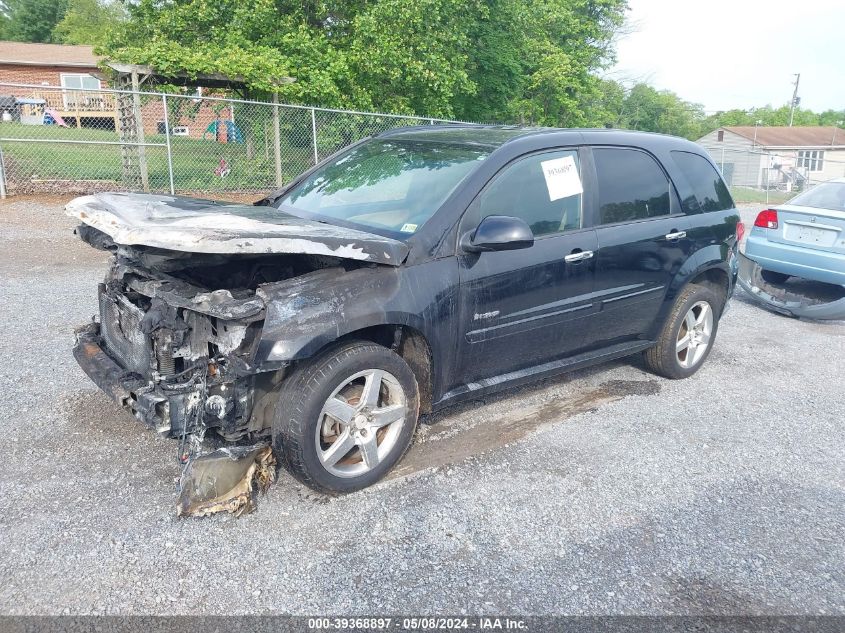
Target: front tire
pixel 687 336
pixel 345 418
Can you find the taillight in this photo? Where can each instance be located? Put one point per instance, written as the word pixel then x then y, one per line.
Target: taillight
pixel 740 231
pixel 767 219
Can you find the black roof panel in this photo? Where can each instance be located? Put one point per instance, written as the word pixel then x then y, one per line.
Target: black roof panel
pixel 493 136
pixel 485 135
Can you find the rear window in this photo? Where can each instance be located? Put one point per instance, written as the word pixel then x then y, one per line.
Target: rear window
pixel 828 195
pixel 631 185
pixel 704 189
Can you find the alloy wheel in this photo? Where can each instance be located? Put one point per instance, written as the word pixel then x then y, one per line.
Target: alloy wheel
pixel 360 423
pixel 694 334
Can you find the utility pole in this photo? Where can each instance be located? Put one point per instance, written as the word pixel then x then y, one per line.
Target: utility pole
pixel 795 99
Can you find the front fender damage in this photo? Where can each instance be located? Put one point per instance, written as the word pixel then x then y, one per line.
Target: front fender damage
pixel 800 300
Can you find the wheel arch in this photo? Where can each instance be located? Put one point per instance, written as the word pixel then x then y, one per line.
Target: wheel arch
pixel 717 279
pixel 408 341
pixel 714 274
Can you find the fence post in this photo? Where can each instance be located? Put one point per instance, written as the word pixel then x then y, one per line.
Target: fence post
pixel 314 135
pixel 277 140
pixel 139 127
pixel 2 176
pixel 167 137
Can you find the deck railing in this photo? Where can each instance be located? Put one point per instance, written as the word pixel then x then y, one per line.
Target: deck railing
pixel 70 101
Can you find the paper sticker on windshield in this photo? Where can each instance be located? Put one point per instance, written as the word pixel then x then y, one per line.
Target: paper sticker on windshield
pixel 408 228
pixel 562 179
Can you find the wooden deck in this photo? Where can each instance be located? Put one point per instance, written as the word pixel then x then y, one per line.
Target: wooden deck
pixel 78 105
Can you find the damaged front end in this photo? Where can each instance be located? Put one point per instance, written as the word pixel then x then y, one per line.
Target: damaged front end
pixel 181 315
pixel 180 370
pixel 797 298
pixel 179 360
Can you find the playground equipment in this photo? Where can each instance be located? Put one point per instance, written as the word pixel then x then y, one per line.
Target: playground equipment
pixel 51 117
pixel 31 110
pixel 230 134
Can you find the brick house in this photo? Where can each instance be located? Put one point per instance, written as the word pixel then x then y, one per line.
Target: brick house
pixel 49 65
pixel 68 78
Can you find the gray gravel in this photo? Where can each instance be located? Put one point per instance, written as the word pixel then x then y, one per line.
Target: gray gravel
pixel 721 494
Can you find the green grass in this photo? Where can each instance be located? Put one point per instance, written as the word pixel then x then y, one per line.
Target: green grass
pixel 756 196
pixel 194 160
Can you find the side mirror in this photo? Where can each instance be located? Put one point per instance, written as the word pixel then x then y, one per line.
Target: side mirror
pixel 498 233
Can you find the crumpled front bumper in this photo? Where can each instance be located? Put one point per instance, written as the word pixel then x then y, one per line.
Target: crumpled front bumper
pixel 786 301
pixel 170 410
pixel 226 480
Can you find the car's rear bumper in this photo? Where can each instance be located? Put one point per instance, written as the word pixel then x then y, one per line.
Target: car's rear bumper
pixel 786 300
pixel 797 261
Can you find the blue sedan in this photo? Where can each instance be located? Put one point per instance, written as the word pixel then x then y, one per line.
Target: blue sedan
pixel 803 238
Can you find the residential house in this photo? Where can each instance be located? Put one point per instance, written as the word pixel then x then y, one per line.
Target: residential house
pixel 68 80
pixel 784 158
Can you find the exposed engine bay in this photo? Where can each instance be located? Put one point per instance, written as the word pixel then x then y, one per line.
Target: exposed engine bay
pixel 177 334
pixel 185 326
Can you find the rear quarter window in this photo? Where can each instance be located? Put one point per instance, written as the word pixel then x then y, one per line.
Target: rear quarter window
pixel 631 185
pixel 701 188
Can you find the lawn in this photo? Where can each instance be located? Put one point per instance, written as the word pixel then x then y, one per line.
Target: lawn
pixel 194 160
pixel 756 196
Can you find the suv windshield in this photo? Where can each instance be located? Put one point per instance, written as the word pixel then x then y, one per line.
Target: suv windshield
pixel 385 184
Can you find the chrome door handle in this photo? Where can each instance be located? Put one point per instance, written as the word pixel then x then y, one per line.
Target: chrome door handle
pixel 675 236
pixel 578 257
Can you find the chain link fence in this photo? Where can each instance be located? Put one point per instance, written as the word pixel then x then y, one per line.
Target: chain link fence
pixel 768 176
pixel 80 141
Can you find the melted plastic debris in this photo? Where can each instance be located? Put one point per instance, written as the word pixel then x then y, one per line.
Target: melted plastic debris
pixel 226 480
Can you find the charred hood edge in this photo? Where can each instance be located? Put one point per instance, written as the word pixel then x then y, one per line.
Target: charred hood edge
pixel 194 225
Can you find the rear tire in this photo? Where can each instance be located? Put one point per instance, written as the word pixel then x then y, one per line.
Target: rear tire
pixel 687 336
pixel 346 417
pixel 772 277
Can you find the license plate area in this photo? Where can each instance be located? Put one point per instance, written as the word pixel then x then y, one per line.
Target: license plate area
pixel 810 235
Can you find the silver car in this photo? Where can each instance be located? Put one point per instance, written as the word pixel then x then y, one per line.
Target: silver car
pixel 803 238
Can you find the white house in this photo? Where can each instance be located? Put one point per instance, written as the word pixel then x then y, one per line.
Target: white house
pixel 777 157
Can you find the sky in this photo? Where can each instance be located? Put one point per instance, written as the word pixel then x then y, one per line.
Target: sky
pixel 727 54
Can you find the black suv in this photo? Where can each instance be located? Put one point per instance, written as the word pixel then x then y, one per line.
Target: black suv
pixel 405 273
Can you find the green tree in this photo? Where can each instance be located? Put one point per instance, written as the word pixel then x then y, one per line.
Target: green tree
pixel 4 21
pixel 832 117
pixel 259 42
pixel 32 20
pixel 534 61
pixel 769 116
pixel 648 109
pixel 492 60
pixel 412 56
pixel 89 21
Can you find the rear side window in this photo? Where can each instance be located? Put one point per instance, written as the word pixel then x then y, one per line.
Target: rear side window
pixel 704 189
pixel 631 185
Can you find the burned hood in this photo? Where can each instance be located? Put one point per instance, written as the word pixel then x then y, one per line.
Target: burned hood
pixel 193 225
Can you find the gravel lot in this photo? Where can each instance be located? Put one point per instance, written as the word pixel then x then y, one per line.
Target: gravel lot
pixel 604 491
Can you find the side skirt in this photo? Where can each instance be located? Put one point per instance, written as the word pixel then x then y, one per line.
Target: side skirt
pixel 538 372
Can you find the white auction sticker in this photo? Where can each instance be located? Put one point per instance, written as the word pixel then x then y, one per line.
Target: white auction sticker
pixel 562 179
